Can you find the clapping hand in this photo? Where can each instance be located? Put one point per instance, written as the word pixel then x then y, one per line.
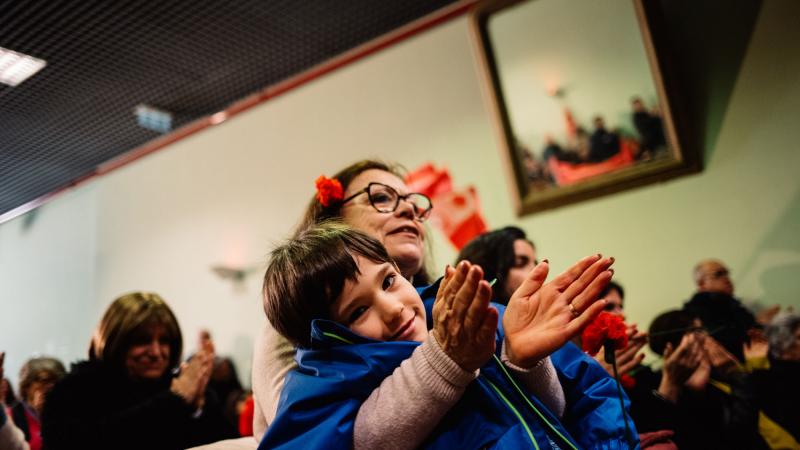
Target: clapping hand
pixel 193 379
pixel 682 363
pixel 542 317
pixel 463 322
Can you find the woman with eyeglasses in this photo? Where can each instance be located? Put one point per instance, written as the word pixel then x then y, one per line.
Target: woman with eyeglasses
pixel 372 197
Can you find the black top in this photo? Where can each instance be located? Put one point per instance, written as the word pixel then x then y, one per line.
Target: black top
pixel 777 392
pixel 96 406
pixel 702 420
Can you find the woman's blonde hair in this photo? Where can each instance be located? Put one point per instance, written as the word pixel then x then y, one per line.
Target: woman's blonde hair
pixel 125 319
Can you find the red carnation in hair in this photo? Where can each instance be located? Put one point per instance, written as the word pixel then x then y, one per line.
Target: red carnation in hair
pixel 604 328
pixel 329 190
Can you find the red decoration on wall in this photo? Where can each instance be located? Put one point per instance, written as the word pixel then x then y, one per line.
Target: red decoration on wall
pixel 456 212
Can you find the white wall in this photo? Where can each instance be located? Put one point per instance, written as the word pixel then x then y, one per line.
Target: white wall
pixel 47 281
pixel 226 194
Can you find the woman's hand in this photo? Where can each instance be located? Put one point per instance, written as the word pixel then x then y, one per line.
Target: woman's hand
pixel 540 317
pixel 463 322
pixel 193 379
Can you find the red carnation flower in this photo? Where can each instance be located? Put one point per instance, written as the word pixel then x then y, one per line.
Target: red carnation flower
pixel 606 327
pixel 628 382
pixel 329 190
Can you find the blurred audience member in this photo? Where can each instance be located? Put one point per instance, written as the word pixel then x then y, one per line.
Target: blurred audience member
pixel 11 437
pixel 36 379
pixel 126 395
pixel 650 128
pixel 730 322
pixel 776 389
pixel 603 144
pixel 711 275
pixel 702 387
pixel 553 150
pixel 224 382
pixel 505 254
pixel 628 359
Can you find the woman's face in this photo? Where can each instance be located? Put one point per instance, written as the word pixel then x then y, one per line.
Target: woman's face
pixel 38 389
pixel 524 261
pixel 400 233
pixel 148 356
pixel 614 303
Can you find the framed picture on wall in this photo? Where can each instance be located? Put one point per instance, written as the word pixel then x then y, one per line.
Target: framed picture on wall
pixel 580 98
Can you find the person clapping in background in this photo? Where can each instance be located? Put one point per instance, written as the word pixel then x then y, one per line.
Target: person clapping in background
pixel 127 396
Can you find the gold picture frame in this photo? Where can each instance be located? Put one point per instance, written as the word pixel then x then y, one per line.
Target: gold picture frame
pixel 555 68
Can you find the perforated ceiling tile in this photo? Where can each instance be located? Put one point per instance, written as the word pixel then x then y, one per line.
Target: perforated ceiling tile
pixel 186 57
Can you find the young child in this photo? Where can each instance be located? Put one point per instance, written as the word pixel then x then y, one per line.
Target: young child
pixel 371 376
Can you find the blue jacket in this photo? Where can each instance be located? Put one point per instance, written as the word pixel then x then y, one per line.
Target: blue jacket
pixel 321 399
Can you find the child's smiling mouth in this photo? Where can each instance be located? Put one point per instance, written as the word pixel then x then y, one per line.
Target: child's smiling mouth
pixel 405 331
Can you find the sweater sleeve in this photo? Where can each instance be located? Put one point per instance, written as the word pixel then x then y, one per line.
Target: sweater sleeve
pixel 541 380
pixel 407 406
pixel 273 358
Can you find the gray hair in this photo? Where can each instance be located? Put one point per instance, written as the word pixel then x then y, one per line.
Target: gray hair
pixel 36 369
pixel 780 333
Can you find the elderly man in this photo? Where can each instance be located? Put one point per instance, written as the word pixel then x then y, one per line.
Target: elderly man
pixel 710 275
pixel 725 317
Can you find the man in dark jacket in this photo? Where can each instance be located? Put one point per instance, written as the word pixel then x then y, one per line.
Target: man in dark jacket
pixel 723 315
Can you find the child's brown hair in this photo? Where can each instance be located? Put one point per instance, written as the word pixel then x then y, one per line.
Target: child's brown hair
pixel 307 273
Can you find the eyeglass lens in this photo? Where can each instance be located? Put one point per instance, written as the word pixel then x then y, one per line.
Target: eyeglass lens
pixel 386 199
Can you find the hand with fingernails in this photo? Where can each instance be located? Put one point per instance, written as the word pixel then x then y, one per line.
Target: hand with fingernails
pixel 541 317
pixel 463 322
pixel 194 377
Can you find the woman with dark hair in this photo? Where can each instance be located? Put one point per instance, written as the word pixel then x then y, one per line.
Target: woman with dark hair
pixel 126 395
pixel 506 255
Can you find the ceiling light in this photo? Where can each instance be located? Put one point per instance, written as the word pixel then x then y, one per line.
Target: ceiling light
pixel 16 67
pixel 153 118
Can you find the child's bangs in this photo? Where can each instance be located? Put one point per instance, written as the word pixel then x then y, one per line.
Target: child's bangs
pixel 343 266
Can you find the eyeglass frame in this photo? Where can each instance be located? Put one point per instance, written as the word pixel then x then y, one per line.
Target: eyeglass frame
pixel 419 217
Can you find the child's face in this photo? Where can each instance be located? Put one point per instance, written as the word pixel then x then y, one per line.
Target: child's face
pixel 381 304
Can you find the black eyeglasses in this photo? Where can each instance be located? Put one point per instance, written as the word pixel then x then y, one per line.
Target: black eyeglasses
pixel 719 274
pixel 386 200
